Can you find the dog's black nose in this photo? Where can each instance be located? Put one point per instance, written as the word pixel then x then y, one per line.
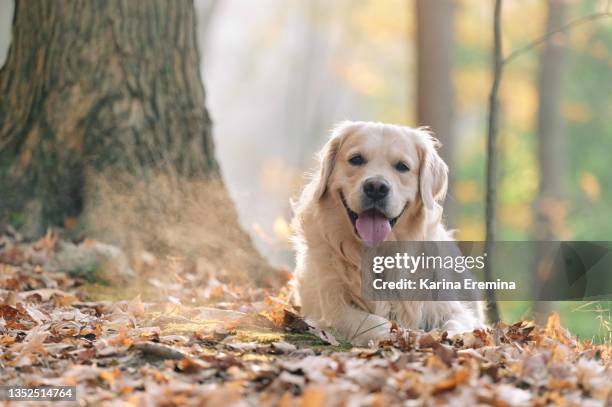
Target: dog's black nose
pixel 376 188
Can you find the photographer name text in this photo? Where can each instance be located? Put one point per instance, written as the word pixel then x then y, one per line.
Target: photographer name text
pixel 403 262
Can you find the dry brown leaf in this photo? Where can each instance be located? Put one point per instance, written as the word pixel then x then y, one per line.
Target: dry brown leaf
pixel 136 307
pixel 190 365
pixel 110 375
pixel 455 379
pixel 65 328
pixel 313 397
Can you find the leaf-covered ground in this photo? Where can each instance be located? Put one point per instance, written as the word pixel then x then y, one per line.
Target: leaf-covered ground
pixel 193 338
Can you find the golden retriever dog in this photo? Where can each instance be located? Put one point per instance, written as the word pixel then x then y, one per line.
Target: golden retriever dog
pixel 376 182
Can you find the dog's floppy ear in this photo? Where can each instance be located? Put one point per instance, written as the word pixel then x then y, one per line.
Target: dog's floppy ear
pixel 327 156
pixel 433 176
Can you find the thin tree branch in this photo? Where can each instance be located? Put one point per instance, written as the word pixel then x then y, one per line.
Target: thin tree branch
pixel 579 21
pixel 498 64
pixel 491 190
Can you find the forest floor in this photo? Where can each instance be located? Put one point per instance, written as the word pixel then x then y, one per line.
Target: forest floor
pixel 197 340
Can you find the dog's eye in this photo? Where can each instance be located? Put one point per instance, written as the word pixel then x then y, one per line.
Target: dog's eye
pixel 356 160
pixel 402 167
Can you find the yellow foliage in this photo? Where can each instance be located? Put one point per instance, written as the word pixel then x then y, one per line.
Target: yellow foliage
pixel 576 112
pixel 522 22
pixel 383 20
pixel 520 101
pixel 470 229
pixel 470 24
pixel 590 186
pixel 467 191
pixel 518 216
pixel 362 78
pixel 473 85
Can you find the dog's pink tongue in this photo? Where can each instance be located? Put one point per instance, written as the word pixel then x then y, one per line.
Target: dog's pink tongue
pixel 372 227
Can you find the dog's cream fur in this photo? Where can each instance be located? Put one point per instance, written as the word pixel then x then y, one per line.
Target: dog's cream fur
pixel 328 249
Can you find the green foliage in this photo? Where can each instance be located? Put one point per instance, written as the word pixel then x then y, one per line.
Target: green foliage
pixel 17 219
pixel 90 274
pixel 587 320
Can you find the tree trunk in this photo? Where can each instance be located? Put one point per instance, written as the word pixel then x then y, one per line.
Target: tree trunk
pixel 551 151
pixel 88 85
pixel 103 109
pixel 435 90
pixel 550 140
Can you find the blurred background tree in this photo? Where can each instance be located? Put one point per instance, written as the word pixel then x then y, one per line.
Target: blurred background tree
pixel 552 157
pixel 434 81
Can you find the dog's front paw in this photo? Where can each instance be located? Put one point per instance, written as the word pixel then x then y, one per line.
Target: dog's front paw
pixel 455 327
pixel 372 333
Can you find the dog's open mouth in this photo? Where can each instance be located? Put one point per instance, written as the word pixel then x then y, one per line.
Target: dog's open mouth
pixel 372 226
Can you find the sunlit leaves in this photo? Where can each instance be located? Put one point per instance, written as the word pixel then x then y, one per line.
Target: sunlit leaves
pixel 577 112
pixel 590 186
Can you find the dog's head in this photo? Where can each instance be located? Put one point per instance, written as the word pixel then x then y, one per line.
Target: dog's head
pixel 379 172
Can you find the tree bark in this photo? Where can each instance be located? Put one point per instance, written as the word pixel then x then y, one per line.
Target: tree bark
pixel 103 116
pixel 550 140
pixel 88 85
pixel 434 80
